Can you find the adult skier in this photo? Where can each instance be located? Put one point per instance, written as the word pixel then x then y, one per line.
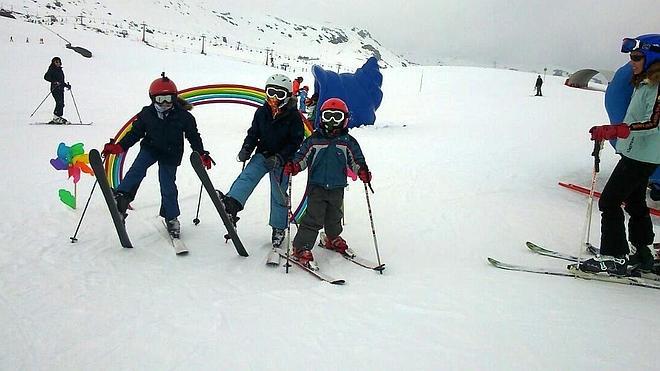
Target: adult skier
pixel 539 83
pixel 638 144
pixel 55 75
pixel 327 153
pixel 161 126
pixel 274 136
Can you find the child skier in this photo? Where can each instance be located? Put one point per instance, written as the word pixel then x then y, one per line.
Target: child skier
pixel 327 153
pixel 161 126
pixel 275 134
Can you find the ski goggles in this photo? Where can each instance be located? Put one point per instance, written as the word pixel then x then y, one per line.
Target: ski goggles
pixel 629 45
pixel 333 115
pixel 163 99
pixel 273 92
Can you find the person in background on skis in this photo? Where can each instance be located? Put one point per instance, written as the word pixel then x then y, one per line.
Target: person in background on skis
pixel 539 83
pixel 55 76
pixel 327 153
pixel 276 133
pixel 311 106
pixel 638 144
pixel 296 85
pixel 302 97
pixel 161 126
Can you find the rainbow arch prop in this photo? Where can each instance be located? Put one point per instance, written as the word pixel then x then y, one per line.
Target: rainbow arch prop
pixel 197 96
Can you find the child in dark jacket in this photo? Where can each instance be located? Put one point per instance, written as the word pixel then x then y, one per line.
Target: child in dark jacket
pixel 55 76
pixel 328 152
pixel 161 126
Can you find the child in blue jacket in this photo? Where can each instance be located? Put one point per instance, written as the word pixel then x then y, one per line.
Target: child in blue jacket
pixel 327 153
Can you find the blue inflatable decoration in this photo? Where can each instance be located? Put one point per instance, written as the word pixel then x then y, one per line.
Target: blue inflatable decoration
pixel 360 90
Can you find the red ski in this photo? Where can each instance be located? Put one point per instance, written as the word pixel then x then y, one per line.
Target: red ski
pixel 585 190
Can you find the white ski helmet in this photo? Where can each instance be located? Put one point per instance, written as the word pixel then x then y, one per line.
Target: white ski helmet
pixel 281 81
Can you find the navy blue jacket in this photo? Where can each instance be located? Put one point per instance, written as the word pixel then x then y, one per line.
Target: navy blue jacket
pixel 55 75
pixel 328 157
pixel 279 136
pixel 163 138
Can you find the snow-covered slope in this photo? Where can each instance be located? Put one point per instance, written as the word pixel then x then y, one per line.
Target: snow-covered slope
pixel 180 26
pixel 465 164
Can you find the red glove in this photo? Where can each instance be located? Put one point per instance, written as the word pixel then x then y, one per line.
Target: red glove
pixel 607 132
pixel 207 160
pixel 364 174
pixel 291 168
pixel 112 148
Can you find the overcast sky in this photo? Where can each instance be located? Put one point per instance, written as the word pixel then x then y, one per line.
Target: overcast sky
pixel 573 34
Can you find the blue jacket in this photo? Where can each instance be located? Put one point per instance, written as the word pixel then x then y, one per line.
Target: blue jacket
pixel 643 117
pixel 327 159
pixel 280 136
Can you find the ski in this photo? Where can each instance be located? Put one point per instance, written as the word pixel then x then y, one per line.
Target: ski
pixel 572 271
pixel 99 172
pixel 362 262
pixel 200 170
pixel 587 191
pixel 66 124
pixel 553 254
pixel 178 245
pixel 318 274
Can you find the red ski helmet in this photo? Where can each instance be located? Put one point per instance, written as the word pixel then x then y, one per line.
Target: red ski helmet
pixel 331 126
pixel 162 86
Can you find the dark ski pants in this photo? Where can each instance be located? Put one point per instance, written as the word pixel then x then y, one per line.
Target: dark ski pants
pixel 627 184
pixel 538 91
pixel 324 210
pixel 169 204
pixel 58 95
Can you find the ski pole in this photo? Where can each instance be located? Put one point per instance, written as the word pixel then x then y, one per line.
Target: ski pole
pixel 594 176
pixel 75 105
pixel 288 223
pixel 199 201
pixel 74 239
pixel 371 219
pixel 42 102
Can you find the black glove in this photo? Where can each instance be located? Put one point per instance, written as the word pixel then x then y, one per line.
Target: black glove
pixel 273 162
pixel 67 85
pixel 244 154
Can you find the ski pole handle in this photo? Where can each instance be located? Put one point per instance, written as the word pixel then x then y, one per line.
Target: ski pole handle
pixel 598 144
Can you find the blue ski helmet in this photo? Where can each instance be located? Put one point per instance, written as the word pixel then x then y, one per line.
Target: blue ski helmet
pixel 648 44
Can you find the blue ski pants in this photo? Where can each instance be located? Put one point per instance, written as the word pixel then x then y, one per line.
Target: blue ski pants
pixel 247 181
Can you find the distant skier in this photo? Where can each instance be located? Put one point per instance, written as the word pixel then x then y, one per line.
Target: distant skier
pixel 276 133
pixel 638 144
pixel 55 76
pixel 161 126
pixel 327 153
pixel 539 83
pixel 296 85
pixel 302 97
pixel 310 104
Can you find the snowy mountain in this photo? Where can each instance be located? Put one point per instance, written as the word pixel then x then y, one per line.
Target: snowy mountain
pixel 462 170
pixel 187 26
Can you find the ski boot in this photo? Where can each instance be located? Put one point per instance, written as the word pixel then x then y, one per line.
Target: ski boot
pixel 58 120
pixel 337 244
pixel 612 265
pixel 173 227
pixel 643 259
pixel 122 199
pixel 305 258
pixel 277 237
pixel 232 206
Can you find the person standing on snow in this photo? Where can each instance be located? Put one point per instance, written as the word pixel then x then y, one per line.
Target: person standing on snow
pixel 55 76
pixel 161 126
pixel 276 133
pixel 302 97
pixel 539 83
pixel 327 153
pixel 638 144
